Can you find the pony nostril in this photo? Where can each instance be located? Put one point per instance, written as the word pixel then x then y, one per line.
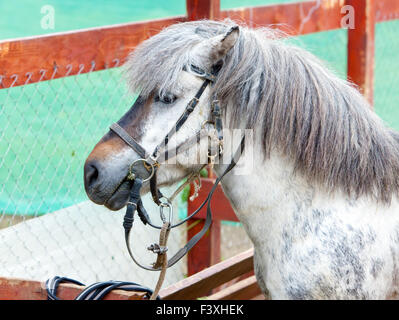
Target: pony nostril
pixel 90 174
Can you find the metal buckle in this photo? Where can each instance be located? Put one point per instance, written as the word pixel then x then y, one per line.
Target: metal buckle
pixel 147 165
pixel 162 206
pixel 221 147
pixel 215 103
pixel 206 122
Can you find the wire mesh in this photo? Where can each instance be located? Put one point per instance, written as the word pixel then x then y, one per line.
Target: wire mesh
pixel 47 131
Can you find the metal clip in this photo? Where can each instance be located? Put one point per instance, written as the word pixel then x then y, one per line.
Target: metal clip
pixel 156 248
pixel 163 205
pixel 197 187
pixel 131 176
pixel 150 166
pixel 207 122
pixel 153 159
pixel 211 159
pixel 191 105
pixel 215 108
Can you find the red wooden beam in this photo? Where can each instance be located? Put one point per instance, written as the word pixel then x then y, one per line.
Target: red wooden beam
pixel 219 203
pixel 202 9
pixel 386 10
pixel 201 283
pixel 21 289
pixel 207 251
pixel 293 18
pixel 34 59
pixel 244 289
pixel 361 47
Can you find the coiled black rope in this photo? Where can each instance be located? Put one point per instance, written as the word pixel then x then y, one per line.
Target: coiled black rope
pixel 96 291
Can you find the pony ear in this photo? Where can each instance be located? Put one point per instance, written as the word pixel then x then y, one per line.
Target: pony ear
pixel 221 44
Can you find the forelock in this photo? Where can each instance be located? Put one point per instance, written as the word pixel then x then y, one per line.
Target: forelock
pixel 157 62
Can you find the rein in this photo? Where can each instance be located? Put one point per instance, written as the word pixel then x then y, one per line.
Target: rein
pixel 151 162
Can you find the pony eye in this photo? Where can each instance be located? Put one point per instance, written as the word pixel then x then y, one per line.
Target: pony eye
pixel 166 99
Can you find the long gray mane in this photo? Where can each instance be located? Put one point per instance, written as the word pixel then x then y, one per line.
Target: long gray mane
pixel 302 108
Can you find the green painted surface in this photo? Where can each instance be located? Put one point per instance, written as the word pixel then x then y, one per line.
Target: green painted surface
pixel 386 95
pixel 48 129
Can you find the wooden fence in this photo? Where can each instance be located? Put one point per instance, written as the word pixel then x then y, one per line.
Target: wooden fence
pixel 33 59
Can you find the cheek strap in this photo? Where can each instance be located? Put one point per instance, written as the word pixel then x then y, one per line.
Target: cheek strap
pixel 128 139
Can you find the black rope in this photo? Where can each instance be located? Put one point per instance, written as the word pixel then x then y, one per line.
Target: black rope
pixel 96 291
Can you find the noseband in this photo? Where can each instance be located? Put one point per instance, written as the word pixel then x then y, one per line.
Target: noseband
pixel 151 162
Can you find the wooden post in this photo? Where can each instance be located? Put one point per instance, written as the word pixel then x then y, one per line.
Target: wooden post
pixel 34 59
pixel 207 251
pixel 361 46
pixel 203 9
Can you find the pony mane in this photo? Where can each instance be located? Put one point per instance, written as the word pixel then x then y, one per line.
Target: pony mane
pixel 297 105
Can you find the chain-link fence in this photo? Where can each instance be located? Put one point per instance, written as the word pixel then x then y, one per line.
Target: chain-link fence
pixel 47 131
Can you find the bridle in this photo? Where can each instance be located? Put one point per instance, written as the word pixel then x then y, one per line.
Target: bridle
pixel 152 161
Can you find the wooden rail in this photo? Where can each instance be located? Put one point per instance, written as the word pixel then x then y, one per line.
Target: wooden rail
pixel 35 59
pixel 198 285
pixel 242 290
pixel 21 289
pixel 40 58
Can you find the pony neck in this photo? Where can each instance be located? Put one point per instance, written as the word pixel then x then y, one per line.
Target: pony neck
pixel 260 188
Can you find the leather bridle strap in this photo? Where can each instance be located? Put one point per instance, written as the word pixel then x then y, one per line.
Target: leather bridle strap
pixel 162 259
pixel 130 141
pixel 135 204
pixel 156 194
pixel 189 109
pixel 135 198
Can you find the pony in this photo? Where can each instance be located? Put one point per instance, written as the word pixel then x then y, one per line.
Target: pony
pixel 320 198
